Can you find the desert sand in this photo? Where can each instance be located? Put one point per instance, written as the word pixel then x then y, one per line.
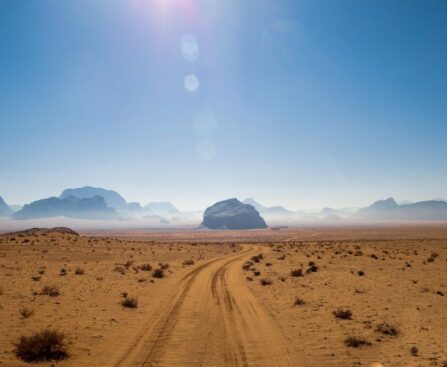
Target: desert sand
pixel 373 296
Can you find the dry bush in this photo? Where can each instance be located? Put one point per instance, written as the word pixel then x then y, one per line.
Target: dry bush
pixel 26 312
pixel 158 273
pixel 79 271
pixel 188 262
pixel 265 281
pixel 129 302
pixel 247 265
pixel 119 269
pixel 145 267
pixel 387 329
pixel 296 272
pixel 414 351
pixel 256 258
pixel 36 278
pixel 63 272
pixel 343 314
pixel 299 302
pixel 356 342
pixel 164 266
pixel 50 290
pixel 45 345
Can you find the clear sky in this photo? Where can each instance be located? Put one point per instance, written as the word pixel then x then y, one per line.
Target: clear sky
pixel 300 103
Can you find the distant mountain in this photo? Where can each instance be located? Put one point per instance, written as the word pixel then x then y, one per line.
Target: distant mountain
pixel 111 197
pixel 273 211
pixel 15 208
pixel 5 210
pixel 259 207
pixel 164 208
pixel 389 210
pixel 330 211
pixel 70 206
pixel 232 214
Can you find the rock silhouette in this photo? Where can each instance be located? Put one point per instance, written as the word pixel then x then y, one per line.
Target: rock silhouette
pixel 232 214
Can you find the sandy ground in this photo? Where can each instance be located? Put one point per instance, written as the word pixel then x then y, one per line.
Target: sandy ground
pixel 238 303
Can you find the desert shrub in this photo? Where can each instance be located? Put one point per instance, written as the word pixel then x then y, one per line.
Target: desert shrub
pixel 26 312
pixel 414 351
pixel 79 271
pixel 356 342
pixel 296 272
pixel 36 278
pixel 312 267
pixel 50 290
pixel 44 345
pixel 128 263
pixel 265 281
pixel 268 264
pixel 256 273
pixel 129 302
pixel 188 262
pixel 361 273
pixel 146 267
pixel 343 314
pixel 164 266
pixel 158 273
pixel 256 258
pixel 387 329
pixel 247 265
pixel 119 269
pixel 299 302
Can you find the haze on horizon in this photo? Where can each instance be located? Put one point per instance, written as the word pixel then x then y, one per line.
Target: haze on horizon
pixel 304 104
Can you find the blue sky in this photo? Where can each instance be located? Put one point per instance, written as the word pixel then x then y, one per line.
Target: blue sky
pixel 300 103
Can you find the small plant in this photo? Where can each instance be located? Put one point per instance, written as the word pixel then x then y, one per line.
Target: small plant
pixel 361 273
pixel 256 258
pixel 247 265
pixel 343 314
pixel 158 273
pixel 79 271
pixel 36 278
pixel 265 281
pixel 26 312
pixel 146 267
pixel 355 342
pixel 299 302
pixel 129 302
pixel 120 270
pixel 164 266
pixel 45 345
pixel 50 290
pixel 387 329
pixel 296 272
pixel 414 351
pixel 188 262
pixel 63 272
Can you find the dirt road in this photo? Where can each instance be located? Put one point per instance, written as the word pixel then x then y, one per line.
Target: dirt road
pixel 210 319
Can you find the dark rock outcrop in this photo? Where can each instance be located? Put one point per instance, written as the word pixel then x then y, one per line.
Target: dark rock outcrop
pixel 232 214
pixel 5 210
pixel 70 206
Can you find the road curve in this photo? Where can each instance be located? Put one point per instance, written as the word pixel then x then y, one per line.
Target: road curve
pixel 210 319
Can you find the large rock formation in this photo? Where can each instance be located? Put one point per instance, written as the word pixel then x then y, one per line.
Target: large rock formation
pixel 385 210
pixel 70 206
pixel 111 197
pixel 5 210
pixel 232 214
